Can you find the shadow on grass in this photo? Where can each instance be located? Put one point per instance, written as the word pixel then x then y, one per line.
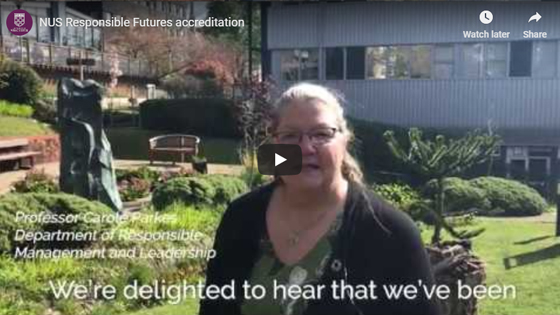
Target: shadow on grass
pixel 532 240
pixel 532 257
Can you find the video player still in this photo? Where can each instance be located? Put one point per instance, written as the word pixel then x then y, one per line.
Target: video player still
pixel 279 157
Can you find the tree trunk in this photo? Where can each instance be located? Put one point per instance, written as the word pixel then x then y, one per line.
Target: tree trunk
pixel 436 238
pixel 453 262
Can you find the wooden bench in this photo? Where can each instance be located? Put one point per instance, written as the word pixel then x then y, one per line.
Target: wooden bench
pixel 175 144
pixel 16 151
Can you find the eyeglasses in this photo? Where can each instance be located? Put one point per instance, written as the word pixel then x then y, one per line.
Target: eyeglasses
pixel 317 136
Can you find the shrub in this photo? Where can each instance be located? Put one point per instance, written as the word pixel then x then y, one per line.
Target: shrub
pixel 460 195
pixel 23 84
pixel 205 116
pixel 400 195
pixel 133 189
pixel 15 110
pixel 510 197
pixel 37 182
pixel 47 203
pixel 144 173
pixel 188 190
pixel 45 111
pixel 227 187
pixel 180 86
pixel 250 173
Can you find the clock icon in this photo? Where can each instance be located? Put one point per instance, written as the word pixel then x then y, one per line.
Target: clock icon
pixel 486 17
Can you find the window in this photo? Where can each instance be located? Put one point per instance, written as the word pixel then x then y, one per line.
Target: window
pixel 355 63
pixel 289 65
pixel 399 62
pixel 299 64
pixel 443 61
pixel 334 63
pixel 544 59
pixel 496 60
pixel 96 38
pixel 88 37
pixel 520 59
pixel 309 62
pixel 377 62
pixel 471 61
pixel 420 62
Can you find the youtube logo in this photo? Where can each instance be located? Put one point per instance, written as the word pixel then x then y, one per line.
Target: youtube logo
pixel 279 159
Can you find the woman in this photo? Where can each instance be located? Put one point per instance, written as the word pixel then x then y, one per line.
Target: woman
pixel 319 227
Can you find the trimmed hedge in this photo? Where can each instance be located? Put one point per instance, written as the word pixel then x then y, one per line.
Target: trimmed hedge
pixel 460 195
pixel 198 191
pixel 227 187
pixel 509 197
pixel 187 190
pixel 206 116
pixel 47 203
pixel 19 83
pixel 491 195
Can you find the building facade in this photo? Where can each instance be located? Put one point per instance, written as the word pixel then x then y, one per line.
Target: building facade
pixel 47 48
pixel 417 64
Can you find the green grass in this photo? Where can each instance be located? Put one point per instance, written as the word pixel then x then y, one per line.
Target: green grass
pixel 132 144
pixel 17 126
pixel 524 254
pixel 189 307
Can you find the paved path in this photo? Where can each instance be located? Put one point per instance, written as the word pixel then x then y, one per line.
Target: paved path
pixel 8 178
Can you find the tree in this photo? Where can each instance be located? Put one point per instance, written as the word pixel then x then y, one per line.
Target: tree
pixel 439 159
pixel 253 111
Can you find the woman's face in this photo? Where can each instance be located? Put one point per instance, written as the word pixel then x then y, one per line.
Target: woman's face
pixel 322 148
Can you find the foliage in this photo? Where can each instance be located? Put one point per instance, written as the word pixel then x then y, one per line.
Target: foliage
pixel 45 111
pixel 134 189
pixel 46 203
pixel 509 197
pixel 439 159
pixel 250 173
pixel 184 86
pixel 227 187
pixel 16 110
pixel 143 172
pixel 253 111
pixel 460 195
pixel 23 84
pixel 36 181
pixel 188 190
pixel 208 116
pixel 400 195
pixel 198 190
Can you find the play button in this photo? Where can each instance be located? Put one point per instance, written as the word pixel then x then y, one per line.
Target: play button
pixel 279 159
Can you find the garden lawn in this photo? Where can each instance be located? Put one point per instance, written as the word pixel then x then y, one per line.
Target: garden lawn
pixel 17 126
pixel 188 307
pixel 132 144
pixel 524 254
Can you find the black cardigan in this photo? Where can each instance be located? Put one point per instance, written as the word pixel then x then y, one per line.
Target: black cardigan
pixel 375 243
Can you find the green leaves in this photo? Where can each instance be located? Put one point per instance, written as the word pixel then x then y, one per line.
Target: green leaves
pixel 440 158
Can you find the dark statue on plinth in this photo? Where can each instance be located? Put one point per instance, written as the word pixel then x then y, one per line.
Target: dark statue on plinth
pixel 86 163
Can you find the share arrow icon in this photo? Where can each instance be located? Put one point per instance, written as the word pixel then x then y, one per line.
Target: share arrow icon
pixel 535 17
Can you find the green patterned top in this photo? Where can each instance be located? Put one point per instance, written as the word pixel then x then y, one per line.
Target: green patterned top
pixel 269 268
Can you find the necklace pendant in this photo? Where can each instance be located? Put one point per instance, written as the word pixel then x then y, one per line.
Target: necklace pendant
pixel 294 239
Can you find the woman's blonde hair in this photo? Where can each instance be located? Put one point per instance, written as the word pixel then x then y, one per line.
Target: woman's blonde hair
pixel 308 92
